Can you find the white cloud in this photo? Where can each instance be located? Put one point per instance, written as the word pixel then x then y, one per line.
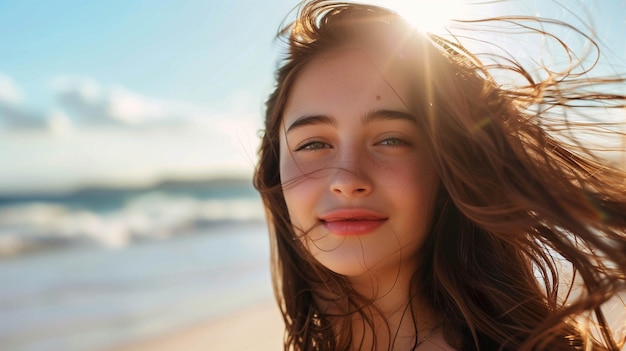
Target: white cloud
pixel 90 103
pixel 84 103
pixel 116 156
pixel 86 88
pixel 13 114
pixel 82 99
pixel 112 135
pixel 10 94
pixel 132 108
pixel 59 123
pixel 19 117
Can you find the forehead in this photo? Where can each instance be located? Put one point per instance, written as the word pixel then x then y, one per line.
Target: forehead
pixel 348 75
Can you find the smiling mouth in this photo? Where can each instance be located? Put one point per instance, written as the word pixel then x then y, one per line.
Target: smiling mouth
pixel 351 222
pixel 353 226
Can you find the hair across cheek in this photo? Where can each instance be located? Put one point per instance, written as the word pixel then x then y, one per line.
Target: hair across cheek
pixel 294 166
pixel 382 173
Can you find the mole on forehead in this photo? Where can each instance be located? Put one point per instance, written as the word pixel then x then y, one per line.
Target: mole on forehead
pixel 334 67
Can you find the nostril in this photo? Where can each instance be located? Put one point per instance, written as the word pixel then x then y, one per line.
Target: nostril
pixel 349 183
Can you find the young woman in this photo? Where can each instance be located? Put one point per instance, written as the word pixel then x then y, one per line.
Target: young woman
pixel 416 204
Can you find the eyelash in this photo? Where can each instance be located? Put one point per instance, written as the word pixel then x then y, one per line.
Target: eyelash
pixel 395 142
pixel 309 146
pixel 318 145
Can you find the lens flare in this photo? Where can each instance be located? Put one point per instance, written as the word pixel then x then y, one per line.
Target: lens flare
pixel 426 15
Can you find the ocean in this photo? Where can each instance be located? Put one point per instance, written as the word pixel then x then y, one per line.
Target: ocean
pixel 100 267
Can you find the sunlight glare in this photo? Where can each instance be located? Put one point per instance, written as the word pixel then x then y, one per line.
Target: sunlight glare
pixel 426 15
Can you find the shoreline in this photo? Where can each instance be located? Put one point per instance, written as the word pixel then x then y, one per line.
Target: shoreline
pixel 255 327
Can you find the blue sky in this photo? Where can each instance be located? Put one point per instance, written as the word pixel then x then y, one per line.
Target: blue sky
pixel 132 91
pixel 196 51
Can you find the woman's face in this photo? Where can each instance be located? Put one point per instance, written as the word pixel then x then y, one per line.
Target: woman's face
pixel 358 184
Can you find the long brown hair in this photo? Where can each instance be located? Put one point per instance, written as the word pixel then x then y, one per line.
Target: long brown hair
pixel 520 200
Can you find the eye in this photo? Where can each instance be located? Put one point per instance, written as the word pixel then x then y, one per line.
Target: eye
pixel 393 142
pixel 313 145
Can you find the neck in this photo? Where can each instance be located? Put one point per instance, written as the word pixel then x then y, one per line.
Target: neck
pixel 399 316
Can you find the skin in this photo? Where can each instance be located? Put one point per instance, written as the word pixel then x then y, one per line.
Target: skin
pixel 350 155
pixel 358 185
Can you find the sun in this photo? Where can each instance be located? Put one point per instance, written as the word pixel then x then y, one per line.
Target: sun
pixel 426 15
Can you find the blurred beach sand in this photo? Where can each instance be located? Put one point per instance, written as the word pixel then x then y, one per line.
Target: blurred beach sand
pixel 257 327
pixel 260 328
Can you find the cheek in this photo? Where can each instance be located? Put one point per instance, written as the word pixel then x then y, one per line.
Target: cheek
pixel 301 199
pixel 289 169
pixel 404 173
pixel 420 199
pixel 411 185
pixel 294 167
pixel 300 192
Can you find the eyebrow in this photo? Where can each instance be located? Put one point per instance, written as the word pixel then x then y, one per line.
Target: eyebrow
pixel 378 115
pixel 311 120
pixel 374 115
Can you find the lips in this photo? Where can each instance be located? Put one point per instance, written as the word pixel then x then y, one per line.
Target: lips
pixel 350 222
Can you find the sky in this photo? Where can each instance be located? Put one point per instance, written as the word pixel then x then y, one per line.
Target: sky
pixel 125 92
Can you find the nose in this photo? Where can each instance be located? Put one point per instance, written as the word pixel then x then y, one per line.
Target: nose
pixel 350 182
